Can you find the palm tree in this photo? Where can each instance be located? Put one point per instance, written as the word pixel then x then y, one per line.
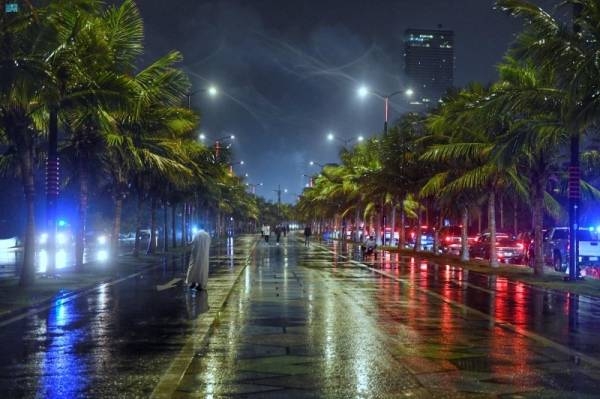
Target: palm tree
pixel 476 132
pixel 154 111
pixel 533 141
pixel 106 44
pixel 569 55
pixel 28 37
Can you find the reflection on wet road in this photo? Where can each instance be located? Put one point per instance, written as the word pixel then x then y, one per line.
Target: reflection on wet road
pixel 306 322
pixel 314 323
pixel 113 341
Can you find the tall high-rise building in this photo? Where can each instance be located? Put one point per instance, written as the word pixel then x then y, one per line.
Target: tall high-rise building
pixel 429 63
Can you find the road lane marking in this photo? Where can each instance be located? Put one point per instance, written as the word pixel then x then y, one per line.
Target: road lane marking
pixel 169 284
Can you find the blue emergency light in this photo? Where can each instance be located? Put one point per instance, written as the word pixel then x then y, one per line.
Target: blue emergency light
pixel 11 8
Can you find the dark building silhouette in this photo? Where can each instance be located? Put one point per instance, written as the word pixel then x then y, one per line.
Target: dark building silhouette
pixel 429 63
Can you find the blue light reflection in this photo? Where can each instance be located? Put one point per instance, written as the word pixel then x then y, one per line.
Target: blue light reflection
pixel 61 367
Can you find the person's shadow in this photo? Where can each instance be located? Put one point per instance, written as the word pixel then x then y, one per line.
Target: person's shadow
pixel 196 303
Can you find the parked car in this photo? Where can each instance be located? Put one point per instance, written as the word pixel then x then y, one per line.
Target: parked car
pixel 508 248
pixel 450 240
pixel 426 238
pixel 555 248
pixel 388 237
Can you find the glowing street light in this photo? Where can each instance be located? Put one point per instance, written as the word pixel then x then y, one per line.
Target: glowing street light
pixel 217 142
pixel 211 90
pixel 363 91
pixel 345 141
pixel 231 166
pixel 253 186
pixel 310 180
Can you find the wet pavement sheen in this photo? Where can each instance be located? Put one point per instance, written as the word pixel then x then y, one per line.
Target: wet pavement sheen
pixel 286 321
pixel 116 340
pixel 314 323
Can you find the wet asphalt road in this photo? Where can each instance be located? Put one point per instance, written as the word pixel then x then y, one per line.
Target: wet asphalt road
pixel 313 323
pixel 307 322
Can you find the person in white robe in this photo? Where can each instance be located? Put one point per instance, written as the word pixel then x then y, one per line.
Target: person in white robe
pixel 197 274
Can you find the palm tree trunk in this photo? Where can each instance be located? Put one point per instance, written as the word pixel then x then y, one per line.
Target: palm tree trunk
pixel 138 223
pixel 538 212
pixel 379 226
pixel 492 227
pixel 114 239
pixel 393 225
pixel 437 224
pixel 402 240
pixel 357 224
pixel 418 230
pixel 464 240
pixel 501 209
pixel 165 226
pixel 82 214
pixel 27 276
pixel 174 225
pixel 17 130
pixel 184 238
pixel 515 216
pixel 152 243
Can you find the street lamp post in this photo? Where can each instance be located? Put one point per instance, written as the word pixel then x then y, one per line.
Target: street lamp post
pixel 253 187
pixel 218 143
pixel 211 90
pixel 231 166
pixel 310 179
pixel 278 191
pixel 364 91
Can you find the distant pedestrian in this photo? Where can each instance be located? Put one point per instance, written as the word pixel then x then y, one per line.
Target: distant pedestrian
pixel 278 229
pixel 197 274
pixel 307 234
pixel 266 230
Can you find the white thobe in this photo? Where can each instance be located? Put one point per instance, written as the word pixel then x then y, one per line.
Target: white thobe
pixel 198 266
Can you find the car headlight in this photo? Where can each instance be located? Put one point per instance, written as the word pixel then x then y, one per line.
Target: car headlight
pixel 102 240
pixel 61 238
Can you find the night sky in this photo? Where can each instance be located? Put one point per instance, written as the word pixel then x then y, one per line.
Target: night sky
pixel 288 70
